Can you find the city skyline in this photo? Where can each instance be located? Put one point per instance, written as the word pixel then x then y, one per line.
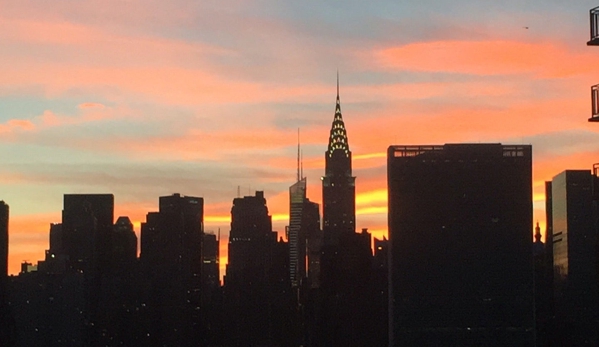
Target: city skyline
pixel 206 100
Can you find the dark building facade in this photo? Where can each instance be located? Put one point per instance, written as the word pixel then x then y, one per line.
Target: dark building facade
pixel 461 270
pixel 3 244
pixel 574 237
pixel 257 290
pixel 87 224
pixel 87 227
pixel 171 263
pixel 211 261
pixel 346 256
pixel 305 237
pixel 123 251
pixel 314 240
pixel 6 319
pixel 297 236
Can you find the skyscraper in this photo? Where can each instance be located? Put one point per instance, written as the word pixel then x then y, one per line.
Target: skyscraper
pixel 210 263
pixel 3 243
pixel 87 224
pixel 124 245
pixel 297 237
pixel 4 271
pixel 171 260
pixel 313 233
pixel 87 227
pixel 257 276
pixel 460 218
pixel 338 184
pixel 345 262
pixel 574 237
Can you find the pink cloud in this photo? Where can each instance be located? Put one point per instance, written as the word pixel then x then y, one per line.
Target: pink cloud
pixel 91 105
pixel 544 59
pixel 15 125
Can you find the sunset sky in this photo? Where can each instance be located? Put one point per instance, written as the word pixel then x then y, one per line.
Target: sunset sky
pixel 148 98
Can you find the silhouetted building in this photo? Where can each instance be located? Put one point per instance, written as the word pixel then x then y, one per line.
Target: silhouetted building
pixel 338 184
pixel 305 236
pixel 297 236
pixel 460 245
pixel 381 253
pixel 124 244
pixel 6 319
pixel 87 222
pixel 380 293
pixel 314 239
pixel 574 256
pixel 210 263
pixel 545 333
pixel 56 259
pixel 171 260
pixel 56 239
pixel 346 257
pixel 3 247
pixel 257 286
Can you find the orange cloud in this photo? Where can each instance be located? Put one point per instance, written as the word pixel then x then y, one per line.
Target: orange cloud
pixel 87 105
pixel 545 59
pixel 372 197
pixel 14 125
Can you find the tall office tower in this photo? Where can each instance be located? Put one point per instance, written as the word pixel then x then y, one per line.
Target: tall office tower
pixel 314 240
pixel 251 279
pixel 87 222
pixel 549 229
pixel 297 236
pixel 250 240
pixel 4 309
pixel 3 242
pixel 461 270
pixel 210 263
pixel 380 283
pixel 171 261
pixel 574 256
pixel 338 184
pixel 56 239
pixel 124 244
pixel 171 239
pixel 345 266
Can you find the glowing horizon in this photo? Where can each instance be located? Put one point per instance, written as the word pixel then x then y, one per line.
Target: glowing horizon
pixel 144 99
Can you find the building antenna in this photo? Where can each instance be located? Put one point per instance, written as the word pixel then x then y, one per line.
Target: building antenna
pixel 337 83
pixel 239 191
pixel 299 174
pixel 302 164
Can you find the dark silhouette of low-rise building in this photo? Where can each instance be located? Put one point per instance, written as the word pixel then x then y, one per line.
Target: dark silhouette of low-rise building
pixel 461 268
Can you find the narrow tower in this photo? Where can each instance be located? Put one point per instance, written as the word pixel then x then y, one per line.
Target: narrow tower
pixel 338 184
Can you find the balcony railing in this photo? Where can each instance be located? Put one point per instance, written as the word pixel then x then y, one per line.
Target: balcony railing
pixel 594 17
pixel 594 103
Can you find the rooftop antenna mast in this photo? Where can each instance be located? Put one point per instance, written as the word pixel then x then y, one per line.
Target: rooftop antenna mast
pixel 337 83
pixel 299 174
pixel 302 164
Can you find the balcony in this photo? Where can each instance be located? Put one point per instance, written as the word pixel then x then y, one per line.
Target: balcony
pixel 594 17
pixel 594 103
